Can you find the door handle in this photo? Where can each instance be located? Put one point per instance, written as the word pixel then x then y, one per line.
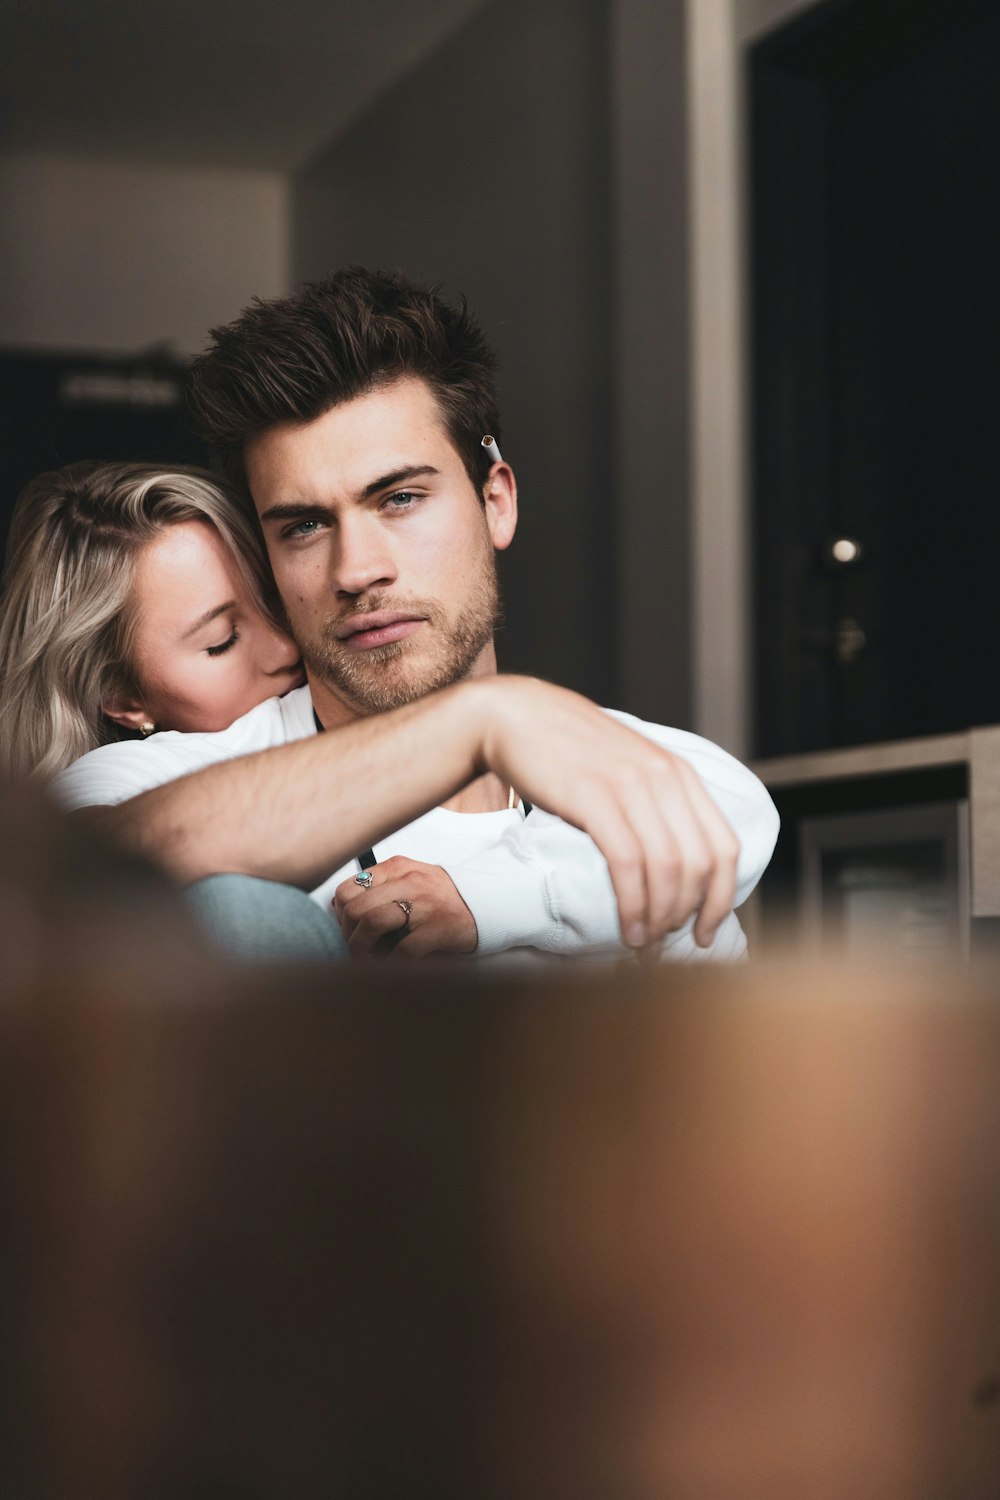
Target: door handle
pixel 849 640
pixel 845 642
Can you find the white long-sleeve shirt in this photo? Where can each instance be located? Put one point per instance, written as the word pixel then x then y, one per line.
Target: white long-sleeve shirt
pixel 531 882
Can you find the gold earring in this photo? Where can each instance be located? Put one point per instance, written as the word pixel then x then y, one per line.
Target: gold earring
pixel 146 728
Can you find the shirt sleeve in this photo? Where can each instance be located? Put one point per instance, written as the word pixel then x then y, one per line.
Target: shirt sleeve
pixel 123 770
pixel 116 773
pixel 545 885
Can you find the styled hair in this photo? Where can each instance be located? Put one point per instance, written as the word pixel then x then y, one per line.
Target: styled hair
pixel 294 358
pixel 67 607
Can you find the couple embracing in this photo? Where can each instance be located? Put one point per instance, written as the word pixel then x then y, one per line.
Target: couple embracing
pixel 284 689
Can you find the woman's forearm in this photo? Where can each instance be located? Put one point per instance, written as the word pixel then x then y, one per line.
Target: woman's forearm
pixel 298 811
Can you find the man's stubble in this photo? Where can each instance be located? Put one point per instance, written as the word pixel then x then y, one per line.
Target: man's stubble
pixel 442 652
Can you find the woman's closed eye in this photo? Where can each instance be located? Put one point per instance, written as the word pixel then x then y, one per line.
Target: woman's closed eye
pixel 224 646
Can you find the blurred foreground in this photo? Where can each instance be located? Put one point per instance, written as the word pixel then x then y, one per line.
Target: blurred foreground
pixel 386 1232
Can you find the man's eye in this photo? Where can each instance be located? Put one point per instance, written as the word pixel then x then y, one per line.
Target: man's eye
pixel 305 528
pixel 224 646
pixel 401 500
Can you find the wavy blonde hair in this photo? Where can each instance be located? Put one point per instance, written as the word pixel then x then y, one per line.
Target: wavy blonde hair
pixel 67 605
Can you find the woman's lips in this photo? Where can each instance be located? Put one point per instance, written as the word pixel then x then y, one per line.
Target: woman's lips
pixel 380 635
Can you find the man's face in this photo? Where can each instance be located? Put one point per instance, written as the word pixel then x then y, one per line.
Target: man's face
pixel 381 548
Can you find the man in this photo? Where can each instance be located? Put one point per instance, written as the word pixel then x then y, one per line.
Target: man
pixel 352 419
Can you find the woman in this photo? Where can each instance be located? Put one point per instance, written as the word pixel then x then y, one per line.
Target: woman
pixel 135 598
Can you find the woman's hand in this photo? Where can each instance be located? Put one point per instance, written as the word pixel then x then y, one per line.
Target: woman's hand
pixel 670 852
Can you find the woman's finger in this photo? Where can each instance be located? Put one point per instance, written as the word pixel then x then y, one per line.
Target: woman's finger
pixel 720 890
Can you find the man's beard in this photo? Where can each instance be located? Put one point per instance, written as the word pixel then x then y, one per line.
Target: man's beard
pixel 378 679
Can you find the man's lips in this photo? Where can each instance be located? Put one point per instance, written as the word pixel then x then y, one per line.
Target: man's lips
pixel 366 631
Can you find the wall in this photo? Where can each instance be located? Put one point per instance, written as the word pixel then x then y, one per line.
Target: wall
pixel 110 256
pixel 751 18
pixel 719 32
pixel 651 316
pixel 487 168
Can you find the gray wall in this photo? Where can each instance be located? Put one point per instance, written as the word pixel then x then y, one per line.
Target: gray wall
pixel 653 489
pixel 113 255
pixel 534 163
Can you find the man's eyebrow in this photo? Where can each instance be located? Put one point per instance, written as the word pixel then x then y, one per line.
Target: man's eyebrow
pixel 295 510
pixel 208 617
pixel 290 510
pixel 398 476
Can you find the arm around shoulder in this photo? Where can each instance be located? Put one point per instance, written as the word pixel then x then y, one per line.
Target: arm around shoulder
pixel 740 796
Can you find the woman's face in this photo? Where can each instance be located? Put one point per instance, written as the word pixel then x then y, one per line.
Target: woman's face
pixel 203 653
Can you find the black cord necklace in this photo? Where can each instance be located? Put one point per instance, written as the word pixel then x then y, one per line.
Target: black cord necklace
pixel 367 856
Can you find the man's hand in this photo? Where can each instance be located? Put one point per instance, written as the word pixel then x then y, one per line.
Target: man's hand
pixel 373 923
pixel 671 854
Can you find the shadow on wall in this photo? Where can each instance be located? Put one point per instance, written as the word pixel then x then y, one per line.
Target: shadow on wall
pixel 487 168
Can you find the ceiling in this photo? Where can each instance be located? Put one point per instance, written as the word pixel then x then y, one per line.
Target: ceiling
pixel 228 83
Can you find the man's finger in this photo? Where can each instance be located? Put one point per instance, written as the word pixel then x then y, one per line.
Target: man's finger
pixel 347 893
pixel 419 942
pixel 350 911
pixel 374 924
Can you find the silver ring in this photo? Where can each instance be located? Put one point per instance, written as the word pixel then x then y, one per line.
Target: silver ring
pixel 406 908
pixel 365 878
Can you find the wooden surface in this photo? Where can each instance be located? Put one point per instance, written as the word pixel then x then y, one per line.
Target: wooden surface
pixel 377 1231
pixel 865 760
pixel 701 1233
pixel 979 749
pixel 984 820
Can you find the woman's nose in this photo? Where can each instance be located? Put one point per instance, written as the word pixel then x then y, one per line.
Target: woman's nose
pixel 281 653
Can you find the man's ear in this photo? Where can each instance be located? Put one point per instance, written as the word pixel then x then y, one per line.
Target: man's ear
pixel 500 499
pixel 130 713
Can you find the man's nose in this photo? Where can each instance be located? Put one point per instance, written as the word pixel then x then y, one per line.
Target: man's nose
pixel 362 558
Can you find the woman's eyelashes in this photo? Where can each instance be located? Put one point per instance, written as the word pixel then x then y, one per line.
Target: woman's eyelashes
pixel 224 646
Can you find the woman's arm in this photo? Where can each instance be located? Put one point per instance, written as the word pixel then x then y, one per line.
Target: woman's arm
pixel 545 885
pixel 295 812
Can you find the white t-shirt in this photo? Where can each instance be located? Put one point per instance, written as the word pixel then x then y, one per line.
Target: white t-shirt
pixel 530 882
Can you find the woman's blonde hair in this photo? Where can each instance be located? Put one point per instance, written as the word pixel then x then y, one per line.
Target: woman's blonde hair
pixel 67 608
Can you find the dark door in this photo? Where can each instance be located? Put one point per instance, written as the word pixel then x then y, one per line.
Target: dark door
pixel 876 298
pixel 55 409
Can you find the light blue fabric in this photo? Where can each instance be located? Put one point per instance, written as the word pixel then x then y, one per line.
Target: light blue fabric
pixel 261 919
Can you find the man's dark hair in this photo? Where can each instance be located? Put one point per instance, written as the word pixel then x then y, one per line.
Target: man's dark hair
pixel 293 358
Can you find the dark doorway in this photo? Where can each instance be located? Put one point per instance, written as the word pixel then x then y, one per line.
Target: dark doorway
pixel 55 409
pixel 875 129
